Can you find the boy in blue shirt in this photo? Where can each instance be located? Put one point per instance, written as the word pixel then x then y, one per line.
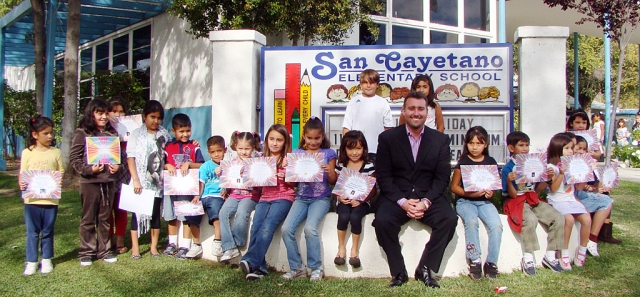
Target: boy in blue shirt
pixel 210 194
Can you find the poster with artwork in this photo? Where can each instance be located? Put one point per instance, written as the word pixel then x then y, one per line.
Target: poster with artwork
pixel 103 150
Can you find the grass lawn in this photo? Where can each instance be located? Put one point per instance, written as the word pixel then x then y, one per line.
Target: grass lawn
pixel 614 273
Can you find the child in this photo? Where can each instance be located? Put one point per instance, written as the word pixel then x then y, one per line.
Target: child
pixel 240 202
pixel 144 158
pixel 473 205
pixel 353 155
pixel 368 112
pixel 311 203
pixel 181 153
pixel 622 133
pixel 97 186
pixel 40 214
pixel 525 210
pixel 590 194
pixel 273 207
pixel 211 196
pixel 423 83
pixel 561 196
pixel 598 126
pixel 118 217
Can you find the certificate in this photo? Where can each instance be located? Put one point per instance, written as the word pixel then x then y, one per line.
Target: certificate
pixel 41 184
pixel 591 137
pixel 352 184
pixel 476 178
pixel 137 203
pixel 186 208
pixel 608 176
pixel 530 168
pixel 179 184
pixel 103 150
pixel 259 172
pixel 304 167
pixel 577 168
pixel 231 175
pixel 126 124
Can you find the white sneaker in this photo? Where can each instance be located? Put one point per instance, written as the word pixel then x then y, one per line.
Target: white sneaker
pixel 579 259
pixel 295 274
pixel 30 268
pixel 195 251
pixel 229 254
pixel 565 263
pixel 592 248
pixel 217 248
pixel 316 275
pixel 46 266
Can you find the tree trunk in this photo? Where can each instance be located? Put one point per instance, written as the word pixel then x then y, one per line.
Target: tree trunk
pixel 39 40
pixel 612 118
pixel 70 79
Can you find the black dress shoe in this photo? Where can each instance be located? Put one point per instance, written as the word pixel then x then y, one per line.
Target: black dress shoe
pixel 399 280
pixel 423 274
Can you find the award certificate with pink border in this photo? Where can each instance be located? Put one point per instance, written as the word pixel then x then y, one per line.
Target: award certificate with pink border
pixel 591 137
pixel 231 175
pixel 42 184
pixel 103 150
pixel 304 167
pixel 577 168
pixel 187 208
pixel 608 176
pixel 477 178
pixel 530 168
pixel 352 184
pixel 126 124
pixel 260 172
pixel 179 184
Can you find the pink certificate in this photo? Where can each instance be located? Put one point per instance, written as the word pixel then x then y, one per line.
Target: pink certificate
pixel 352 184
pixel 126 124
pixel 41 184
pixel 231 175
pixel 102 150
pixel 304 167
pixel 577 168
pixel 608 176
pixel 530 168
pixel 260 172
pixel 591 137
pixel 477 178
pixel 179 184
pixel 186 208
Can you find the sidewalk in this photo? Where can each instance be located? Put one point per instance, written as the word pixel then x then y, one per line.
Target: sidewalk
pixel 629 174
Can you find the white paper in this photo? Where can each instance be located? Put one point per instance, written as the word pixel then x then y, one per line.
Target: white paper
pixel 137 203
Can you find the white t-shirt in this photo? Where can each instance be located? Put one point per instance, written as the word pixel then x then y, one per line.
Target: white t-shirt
pixel 370 116
pixel 431 118
pixel 598 127
pixel 564 192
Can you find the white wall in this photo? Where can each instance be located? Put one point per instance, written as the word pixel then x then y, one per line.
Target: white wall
pixel 180 65
pixel 21 78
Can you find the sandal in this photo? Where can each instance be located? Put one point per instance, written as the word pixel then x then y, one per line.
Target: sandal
pixel 354 261
pixel 121 250
pixel 136 257
pixel 156 255
pixel 339 260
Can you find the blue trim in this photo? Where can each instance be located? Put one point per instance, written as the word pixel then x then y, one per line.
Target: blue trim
pixel 576 72
pixel 402 46
pixel 51 24
pixel 3 162
pixel 261 81
pixel 200 124
pixel 502 21
pixel 16 13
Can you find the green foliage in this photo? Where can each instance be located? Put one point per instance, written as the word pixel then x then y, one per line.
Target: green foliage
pixel 323 20
pixel 127 85
pixel 7 5
pixel 629 153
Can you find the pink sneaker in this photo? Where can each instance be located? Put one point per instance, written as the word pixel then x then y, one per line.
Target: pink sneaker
pixel 565 263
pixel 579 258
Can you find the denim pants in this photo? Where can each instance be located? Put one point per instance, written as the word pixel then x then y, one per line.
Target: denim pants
pixel 268 215
pixel 240 210
pixel 313 210
pixel 469 211
pixel 39 219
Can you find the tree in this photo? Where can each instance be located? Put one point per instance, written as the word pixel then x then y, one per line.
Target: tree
pixel 70 79
pixel 618 19
pixel 39 40
pixel 322 20
pixel 591 69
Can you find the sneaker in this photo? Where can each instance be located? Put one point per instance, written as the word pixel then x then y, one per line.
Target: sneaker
pixel 475 271
pixel 579 259
pixel 195 251
pixel 554 265
pixel 565 263
pixel 529 268
pixel 30 268
pixel 294 274
pixel 46 266
pixel 592 248
pixel 86 261
pixel 490 270
pixel 217 248
pixel 245 266
pixel 110 258
pixel 170 250
pixel 256 275
pixel 229 254
pixel 182 253
pixel 316 275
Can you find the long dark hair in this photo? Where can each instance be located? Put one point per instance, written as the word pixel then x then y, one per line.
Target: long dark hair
pixel 431 96
pixel 282 130
pixel 117 101
pixel 578 113
pixel 314 123
pixel 350 140
pixel 481 134
pixel 556 147
pixel 88 122
pixel 36 125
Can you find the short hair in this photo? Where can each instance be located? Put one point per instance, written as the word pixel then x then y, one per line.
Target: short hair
pixel 370 75
pixel 516 136
pixel 416 95
pixel 215 140
pixel 180 120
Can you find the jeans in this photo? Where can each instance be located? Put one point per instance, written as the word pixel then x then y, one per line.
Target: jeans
pixel 469 211
pixel 241 209
pixel 313 210
pixel 39 219
pixel 268 215
pixel 211 206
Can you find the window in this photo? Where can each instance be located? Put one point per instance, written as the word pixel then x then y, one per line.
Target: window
pixel 444 12
pixel 404 35
pixel 408 9
pixel 438 37
pixel 366 38
pixel 476 14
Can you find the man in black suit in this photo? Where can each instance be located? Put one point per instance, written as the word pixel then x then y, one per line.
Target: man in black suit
pixel 413 169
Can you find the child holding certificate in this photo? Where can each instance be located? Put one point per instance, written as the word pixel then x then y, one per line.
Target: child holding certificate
pixel 561 196
pixel 473 205
pixel 353 155
pixel 97 185
pixel 273 207
pixel 241 202
pixel 39 214
pixel 119 217
pixel 311 203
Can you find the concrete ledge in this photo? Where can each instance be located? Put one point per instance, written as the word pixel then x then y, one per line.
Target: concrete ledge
pixel 541 32
pixel 237 35
pixel 413 237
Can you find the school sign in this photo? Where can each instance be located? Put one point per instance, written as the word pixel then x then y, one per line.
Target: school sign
pixel 472 83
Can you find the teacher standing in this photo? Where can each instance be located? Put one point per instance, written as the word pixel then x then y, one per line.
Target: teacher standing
pixel 413 170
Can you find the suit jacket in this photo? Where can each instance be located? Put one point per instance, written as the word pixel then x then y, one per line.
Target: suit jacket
pixel 399 176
